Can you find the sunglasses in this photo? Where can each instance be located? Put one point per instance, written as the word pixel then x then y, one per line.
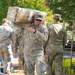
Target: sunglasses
pixel 38 20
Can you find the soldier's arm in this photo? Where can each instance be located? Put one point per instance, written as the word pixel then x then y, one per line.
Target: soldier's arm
pixel 15 46
pixel 46 43
pixel 42 36
pixel 14 37
pixel 17 37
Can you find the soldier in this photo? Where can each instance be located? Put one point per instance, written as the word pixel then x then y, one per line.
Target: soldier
pixel 54 46
pixel 33 49
pixel 6 33
pixel 35 35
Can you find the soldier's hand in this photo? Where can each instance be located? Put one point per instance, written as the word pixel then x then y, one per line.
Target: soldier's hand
pixel 30 29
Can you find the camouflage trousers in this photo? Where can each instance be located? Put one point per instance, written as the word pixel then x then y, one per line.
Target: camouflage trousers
pixel 54 62
pixel 36 67
pixel 21 58
pixel 6 56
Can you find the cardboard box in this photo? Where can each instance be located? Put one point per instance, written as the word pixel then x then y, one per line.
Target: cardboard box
pixel 16 14
pixel 12 13
pixel 24 15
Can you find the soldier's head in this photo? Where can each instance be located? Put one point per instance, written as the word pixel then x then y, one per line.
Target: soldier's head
pixel 38 18
pixel 56 17
pixel 5 21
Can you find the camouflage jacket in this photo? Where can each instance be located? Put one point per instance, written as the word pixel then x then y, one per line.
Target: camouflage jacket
pixel 57 37
pixel 18 39
pixel 33 42
pixel 6 33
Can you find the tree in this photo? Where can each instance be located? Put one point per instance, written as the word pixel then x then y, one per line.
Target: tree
pixel 64 7
pixel 4 4
pixel 32 4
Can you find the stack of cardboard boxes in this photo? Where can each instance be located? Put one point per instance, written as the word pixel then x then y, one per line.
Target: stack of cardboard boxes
pixel 17 14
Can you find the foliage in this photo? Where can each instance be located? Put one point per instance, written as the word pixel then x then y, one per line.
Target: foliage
pixel 32 4
pixel 64 7
pixel 67 10
pixel 4 4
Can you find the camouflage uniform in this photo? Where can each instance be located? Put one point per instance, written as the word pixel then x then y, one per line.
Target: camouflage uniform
pixel 33 49
pixel 5 44
pixel 54 48
pixel 18 44
pixel 33 41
